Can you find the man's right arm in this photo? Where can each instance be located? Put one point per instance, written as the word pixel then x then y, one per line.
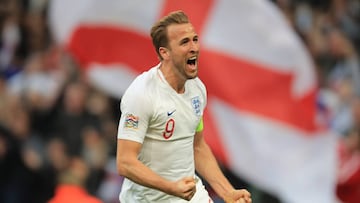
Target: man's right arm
pixel 130 167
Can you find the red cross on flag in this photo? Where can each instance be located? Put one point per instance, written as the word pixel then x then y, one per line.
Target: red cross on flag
pixel 261 119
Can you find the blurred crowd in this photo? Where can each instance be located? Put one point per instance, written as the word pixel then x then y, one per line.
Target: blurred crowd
pixel 331 32
pixel 56 129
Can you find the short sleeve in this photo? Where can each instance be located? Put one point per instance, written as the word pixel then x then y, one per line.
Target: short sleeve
pixel 135 115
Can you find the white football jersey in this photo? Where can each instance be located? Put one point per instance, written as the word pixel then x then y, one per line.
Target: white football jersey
pixel 165 122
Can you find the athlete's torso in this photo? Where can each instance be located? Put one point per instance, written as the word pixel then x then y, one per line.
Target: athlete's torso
pixel 166 124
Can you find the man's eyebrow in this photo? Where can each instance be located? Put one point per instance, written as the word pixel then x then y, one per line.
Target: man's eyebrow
pixel 186 39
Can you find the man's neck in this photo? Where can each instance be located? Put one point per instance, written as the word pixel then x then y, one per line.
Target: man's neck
pixel 172 77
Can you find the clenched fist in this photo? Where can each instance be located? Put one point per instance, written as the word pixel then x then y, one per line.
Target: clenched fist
pixel 238 196
pixel 185 188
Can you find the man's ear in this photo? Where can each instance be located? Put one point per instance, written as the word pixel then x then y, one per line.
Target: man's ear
pixel 164 52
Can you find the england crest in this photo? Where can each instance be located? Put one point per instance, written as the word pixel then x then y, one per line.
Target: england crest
pixel 195 102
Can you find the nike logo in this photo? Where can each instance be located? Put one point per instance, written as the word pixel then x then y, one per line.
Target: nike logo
pixel 169 113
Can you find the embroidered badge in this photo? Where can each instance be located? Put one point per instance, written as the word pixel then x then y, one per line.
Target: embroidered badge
pixel 195 102
pixel 131 121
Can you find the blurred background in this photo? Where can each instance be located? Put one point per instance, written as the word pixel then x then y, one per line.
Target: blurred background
pixel 58 107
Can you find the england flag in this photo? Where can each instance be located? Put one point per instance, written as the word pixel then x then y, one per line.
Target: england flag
pixel 261 119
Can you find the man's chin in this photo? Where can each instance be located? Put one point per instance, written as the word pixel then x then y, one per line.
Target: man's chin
pixel 193 76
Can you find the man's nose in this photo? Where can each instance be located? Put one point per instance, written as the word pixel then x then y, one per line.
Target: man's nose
pixel 194 46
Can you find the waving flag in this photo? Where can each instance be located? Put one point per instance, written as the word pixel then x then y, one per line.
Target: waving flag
pixel 261 119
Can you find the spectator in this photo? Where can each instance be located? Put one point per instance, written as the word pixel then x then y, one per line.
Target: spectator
pixel 71 187
pixel 348 188
pixel 73 117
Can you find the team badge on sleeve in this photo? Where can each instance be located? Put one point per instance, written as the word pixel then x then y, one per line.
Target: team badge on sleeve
pixel 131 121
pixel 195 102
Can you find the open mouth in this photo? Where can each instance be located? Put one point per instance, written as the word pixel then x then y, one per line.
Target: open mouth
pixel 192 61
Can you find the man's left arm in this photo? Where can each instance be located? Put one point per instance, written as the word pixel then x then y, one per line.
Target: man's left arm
pixel 206 165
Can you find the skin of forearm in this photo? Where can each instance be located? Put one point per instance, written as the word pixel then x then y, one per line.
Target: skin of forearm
pixel 140 174
pixel 130 167
pixel 207 166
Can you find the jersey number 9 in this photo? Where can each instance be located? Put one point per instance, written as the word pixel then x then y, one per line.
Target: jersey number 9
pixel 169 128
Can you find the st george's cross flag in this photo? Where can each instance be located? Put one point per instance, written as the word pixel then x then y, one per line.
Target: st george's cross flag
pixel 261 119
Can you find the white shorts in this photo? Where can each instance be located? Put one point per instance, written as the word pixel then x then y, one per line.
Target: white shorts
pixel 201 196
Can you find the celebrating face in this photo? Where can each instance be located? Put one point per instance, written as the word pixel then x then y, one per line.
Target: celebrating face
pixel 183 50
